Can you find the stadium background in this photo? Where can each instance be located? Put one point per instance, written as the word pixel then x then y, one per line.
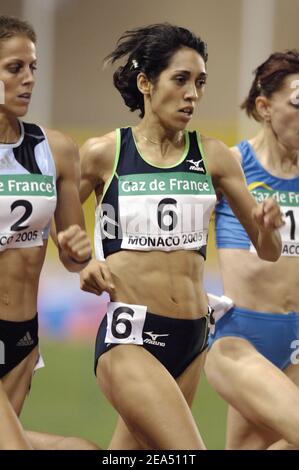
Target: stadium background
pixel 74 93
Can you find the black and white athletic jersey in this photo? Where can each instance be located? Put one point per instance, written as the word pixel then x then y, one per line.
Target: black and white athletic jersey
pixel 27 189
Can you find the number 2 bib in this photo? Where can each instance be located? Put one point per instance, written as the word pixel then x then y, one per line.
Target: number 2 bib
pixel 27 203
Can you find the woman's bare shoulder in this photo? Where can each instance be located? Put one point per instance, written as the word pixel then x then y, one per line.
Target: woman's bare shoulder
pixel 99 147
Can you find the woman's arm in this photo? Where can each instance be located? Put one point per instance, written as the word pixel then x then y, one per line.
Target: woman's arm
pixel 73 244
pixel 97 158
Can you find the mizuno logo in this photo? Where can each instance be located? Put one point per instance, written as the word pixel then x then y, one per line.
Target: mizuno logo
pixel 195 165
pixel 26 340
pixel 153 335
pixel 153 339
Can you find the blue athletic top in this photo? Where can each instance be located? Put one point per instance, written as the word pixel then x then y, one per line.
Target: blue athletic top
pixel 231 234
pixel 145 207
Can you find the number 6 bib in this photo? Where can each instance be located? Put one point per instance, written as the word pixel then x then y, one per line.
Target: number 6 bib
pixel 165 212
pixel 125 323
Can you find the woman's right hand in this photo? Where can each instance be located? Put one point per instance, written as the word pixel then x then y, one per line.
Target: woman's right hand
pixel 96 278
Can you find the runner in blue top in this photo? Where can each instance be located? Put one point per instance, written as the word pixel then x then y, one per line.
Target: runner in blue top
pixel 155 186
pixel 253 361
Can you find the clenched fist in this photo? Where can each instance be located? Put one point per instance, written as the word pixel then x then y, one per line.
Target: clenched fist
pixel 268 215
pixel 74 241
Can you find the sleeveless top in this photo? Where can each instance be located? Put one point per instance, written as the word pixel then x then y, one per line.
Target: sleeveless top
pixel 231 234
pixel 27 189
pixel 145 207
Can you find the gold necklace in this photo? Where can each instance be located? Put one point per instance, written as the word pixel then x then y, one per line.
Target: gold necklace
pixel 147 139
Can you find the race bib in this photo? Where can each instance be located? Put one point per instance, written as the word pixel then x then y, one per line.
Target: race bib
pixel 125 323
pixel 165 211
pixel 289 204
pixel 27 203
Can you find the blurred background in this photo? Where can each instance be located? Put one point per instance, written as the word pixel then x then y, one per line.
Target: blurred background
pixel 76 95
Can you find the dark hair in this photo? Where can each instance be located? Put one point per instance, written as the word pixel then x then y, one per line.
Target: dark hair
pixel 149 49
pixel 11 26
pixel 269 78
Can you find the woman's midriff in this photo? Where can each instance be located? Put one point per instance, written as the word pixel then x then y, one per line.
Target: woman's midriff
pixel 260 285
pixel 167 284
pixel 19 278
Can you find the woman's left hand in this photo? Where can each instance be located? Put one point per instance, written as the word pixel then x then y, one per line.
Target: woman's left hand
pixel 268 215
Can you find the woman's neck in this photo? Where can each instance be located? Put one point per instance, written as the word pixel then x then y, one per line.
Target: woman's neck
pixel 9 129
pixel 274 156
pixel 156 137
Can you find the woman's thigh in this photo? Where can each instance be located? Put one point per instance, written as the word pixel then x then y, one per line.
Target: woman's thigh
pixel 254 387
pixel 148 399
pixel 18 381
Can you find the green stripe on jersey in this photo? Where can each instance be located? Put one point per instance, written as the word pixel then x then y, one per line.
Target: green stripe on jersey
pixel 165 183
pixel 283 198
pixel 26 185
